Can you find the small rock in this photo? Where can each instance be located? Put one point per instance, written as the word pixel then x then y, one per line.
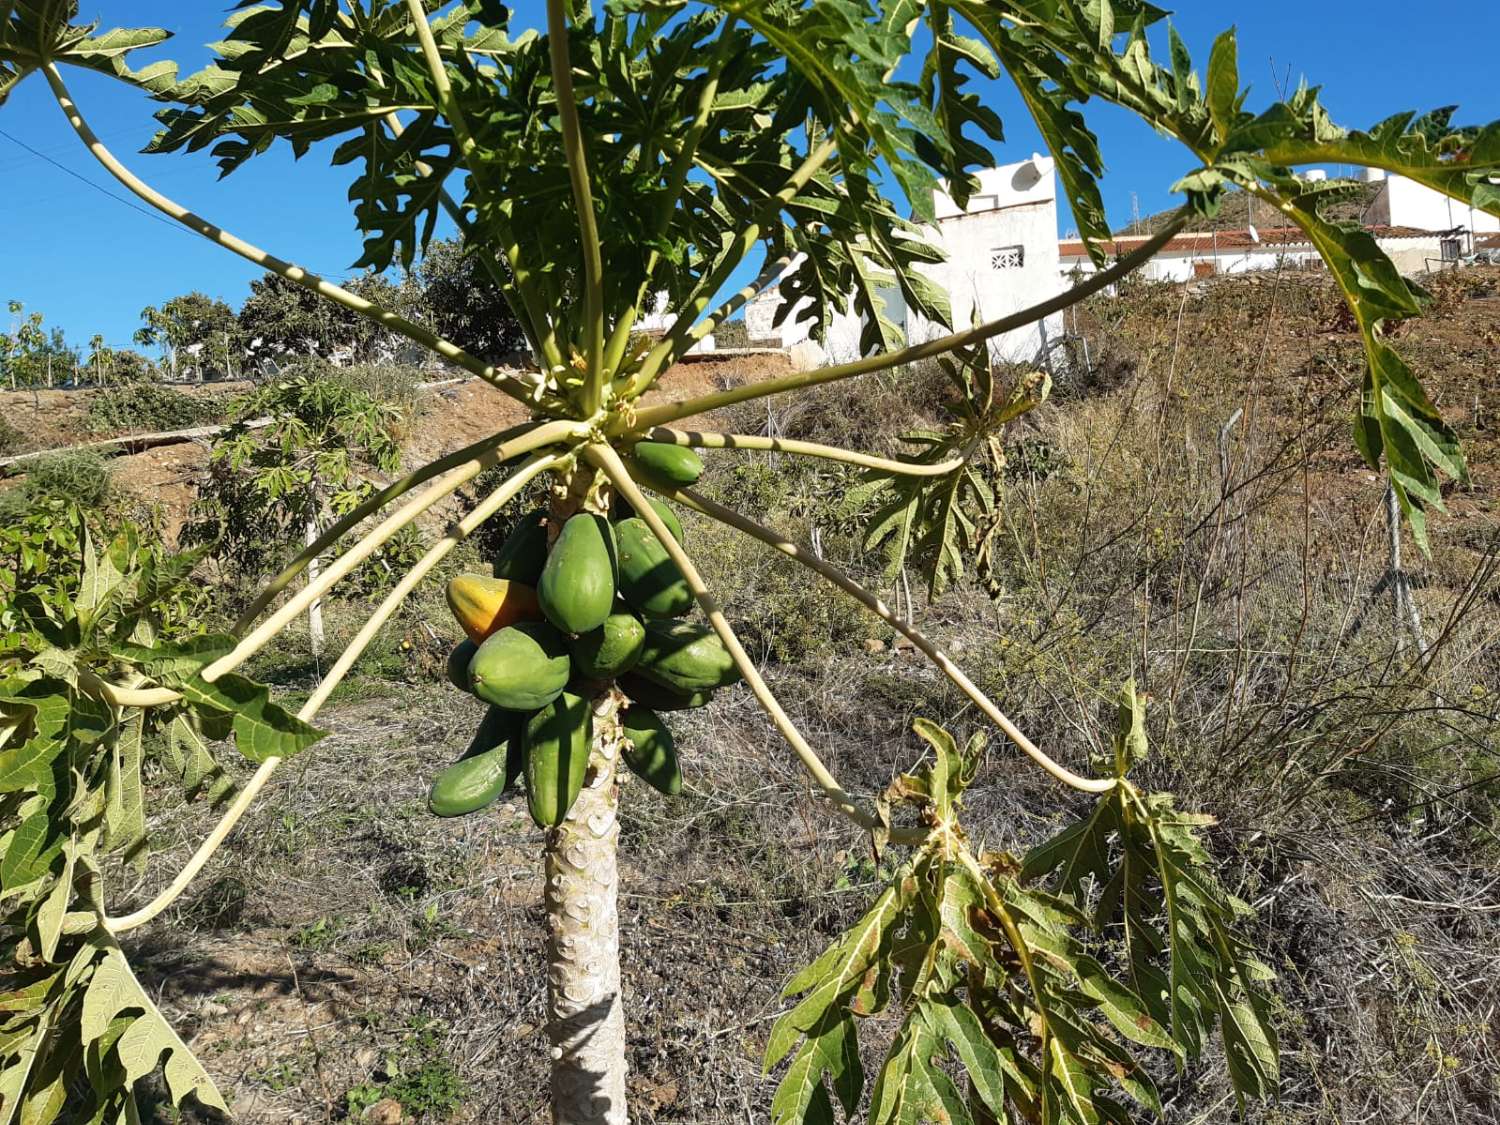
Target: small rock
pixel 903 644
pixel 387 1111
pixel 366 1058
pixel 874 645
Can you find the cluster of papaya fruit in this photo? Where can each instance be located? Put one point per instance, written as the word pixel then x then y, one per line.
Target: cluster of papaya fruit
pixel 561 619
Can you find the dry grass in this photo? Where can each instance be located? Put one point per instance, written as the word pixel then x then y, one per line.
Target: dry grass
pixel 349 946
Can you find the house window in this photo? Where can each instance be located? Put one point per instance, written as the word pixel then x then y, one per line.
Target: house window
pixel 1008 258
pixel 1452 249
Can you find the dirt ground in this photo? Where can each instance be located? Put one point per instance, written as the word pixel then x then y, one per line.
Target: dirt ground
pixel 347 947
pixel 347 956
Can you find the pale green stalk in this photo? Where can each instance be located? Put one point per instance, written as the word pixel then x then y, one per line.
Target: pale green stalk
pixel 246 797
pixel 670 412
pixel 690 499
pixel 665 353
pixel 453 113
pixel 583 199
pixel 537 438
pixel 682 161
pixel 709 439
pixel 373 504
pixel 450 351
pixel 608 461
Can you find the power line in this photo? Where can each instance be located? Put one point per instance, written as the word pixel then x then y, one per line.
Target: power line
pixel 330 274
pixel 90 183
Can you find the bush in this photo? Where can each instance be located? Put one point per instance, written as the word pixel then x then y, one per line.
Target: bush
pixel 140 407
pixel 11 439
pixel 732 334
pixel 79 478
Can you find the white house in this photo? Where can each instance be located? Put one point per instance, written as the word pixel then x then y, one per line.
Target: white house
pixel 1406 203
pixel 1418 228
pixel 658 322
pixel 1205 254
pixel 1002 256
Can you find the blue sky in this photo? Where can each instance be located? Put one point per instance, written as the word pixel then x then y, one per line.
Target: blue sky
pixel 91 263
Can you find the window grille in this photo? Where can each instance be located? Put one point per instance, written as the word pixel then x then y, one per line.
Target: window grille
pixel 1008 258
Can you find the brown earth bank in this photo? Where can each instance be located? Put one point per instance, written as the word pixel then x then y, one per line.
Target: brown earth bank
pixel 449 417
pixel 1188 509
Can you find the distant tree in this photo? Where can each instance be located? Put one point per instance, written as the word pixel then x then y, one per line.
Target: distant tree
pixel 268 485
pixel 193 331
pixel 30 355
pixel 281 320
pixel 459 300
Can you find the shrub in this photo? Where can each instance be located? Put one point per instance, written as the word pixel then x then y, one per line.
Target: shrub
pixel 139 407
pixel 77 477
pixel 11 439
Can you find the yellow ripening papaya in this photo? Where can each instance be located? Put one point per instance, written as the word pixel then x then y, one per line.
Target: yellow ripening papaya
pixel 484 605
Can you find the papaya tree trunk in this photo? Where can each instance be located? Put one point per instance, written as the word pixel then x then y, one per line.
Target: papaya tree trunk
pixel 314 611
pixel 587 1018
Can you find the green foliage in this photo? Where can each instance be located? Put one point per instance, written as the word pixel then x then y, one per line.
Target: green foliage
pixel 79 478
pixel 422 1076
pixel 142 407
pixel 460 299
pixel 318 458
pixel 283 321
pixel 195 332
pixel 991 976
pixel 81 1031
pixel 30 356
pixel 937 523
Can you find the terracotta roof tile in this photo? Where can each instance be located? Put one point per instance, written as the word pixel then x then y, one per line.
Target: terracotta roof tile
pixel 1200 242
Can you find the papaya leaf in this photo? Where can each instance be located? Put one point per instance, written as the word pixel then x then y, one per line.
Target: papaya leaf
pixel 113 990
pixel 170 663
pixel 262 729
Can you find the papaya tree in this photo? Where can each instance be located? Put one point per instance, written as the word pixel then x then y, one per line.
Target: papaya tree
pixel 620 158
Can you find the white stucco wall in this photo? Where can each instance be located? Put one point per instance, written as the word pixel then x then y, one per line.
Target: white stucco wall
pixel 1406 203
pixel 1179 265
pixel 1015 206
pixel 658 322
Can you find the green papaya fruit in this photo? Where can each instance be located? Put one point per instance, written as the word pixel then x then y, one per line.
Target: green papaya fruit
pixel 487 769
pixel 650 752
pixel 557 756
pixel 621 510
pixel 686 656
pixel 524 553
pixel 650 582
pixel 458 664
pixel 611 649
pixel 577 587
pixel 659 697
pixel 521 668
pixel 669 464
